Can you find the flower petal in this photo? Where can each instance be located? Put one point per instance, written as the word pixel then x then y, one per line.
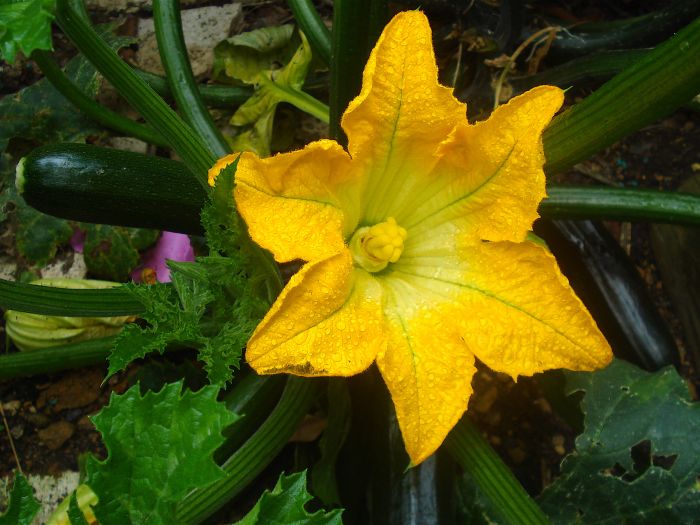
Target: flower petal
pixel 326 321
pixel 171 246
pixel 518 313
pixel 489 180
pixel 427 367
pixel 400 115
pixel 299 205
pixel 219 165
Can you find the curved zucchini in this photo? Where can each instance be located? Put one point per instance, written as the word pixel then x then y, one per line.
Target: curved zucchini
pixel 642 31
pixel 107 186
pixel 612 289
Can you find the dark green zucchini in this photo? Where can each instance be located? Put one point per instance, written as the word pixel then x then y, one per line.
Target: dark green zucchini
pixel 641 31
pixel 609 285
pixel 87 183
pixel 383 489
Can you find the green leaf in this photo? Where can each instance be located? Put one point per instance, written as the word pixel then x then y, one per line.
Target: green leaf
pixel 273 87
pixel 227 235
pixel 7 172
pixel 75 515
pixel 213 304
pixel 170 322
pixel 111 252
pixel 142 238
pixel 23 506
pixel 208 307
pixel 285 505
pixel 40 113
pixel 243 57
pixel 638 459
pixel 25 25
pixel 159 448
pixel 39 235
pixel 224 350
pixel 258 137
pixel 219 215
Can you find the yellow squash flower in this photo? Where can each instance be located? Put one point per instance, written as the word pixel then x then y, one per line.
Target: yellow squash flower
pixel 415 244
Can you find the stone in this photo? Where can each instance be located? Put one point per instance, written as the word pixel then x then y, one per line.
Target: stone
pixel 8 268
pixel 203 27
pixel 11 407
pixel 48 490
pixel 74 390
pixel 70 265
pixel 39 420
pixel 55 435
pixel 127 144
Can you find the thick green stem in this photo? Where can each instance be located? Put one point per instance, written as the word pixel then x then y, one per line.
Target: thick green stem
pixel 596 66
pixel 249 460
pixel 55 359
pixel 214 95
pixel 620 204
pixel 188 145
pixel 299 99
pixel 92 109
pixel 495 480
pixel 356 27
pixel 173 54
pixel 663 80
pixel 252 398
pixel 313 27
pixel 65 302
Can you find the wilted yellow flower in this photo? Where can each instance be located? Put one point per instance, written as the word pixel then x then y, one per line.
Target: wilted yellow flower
pixel 415 244
pixel 35 331
pixel 86 499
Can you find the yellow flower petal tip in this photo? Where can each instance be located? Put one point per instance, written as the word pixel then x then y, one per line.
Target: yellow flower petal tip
pixel 220 164
pixel 392 233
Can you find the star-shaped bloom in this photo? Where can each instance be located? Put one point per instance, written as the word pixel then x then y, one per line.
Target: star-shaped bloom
pixel 414 242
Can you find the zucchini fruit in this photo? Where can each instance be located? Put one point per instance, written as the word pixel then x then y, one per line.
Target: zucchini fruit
pixel 610 286
pixel 87 183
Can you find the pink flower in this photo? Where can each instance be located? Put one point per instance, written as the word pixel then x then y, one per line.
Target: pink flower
pixel 153 268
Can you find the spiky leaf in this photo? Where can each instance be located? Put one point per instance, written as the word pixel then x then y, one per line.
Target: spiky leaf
pixel 159 448
pixel 25 25
pixel 285 505
pixel 23 506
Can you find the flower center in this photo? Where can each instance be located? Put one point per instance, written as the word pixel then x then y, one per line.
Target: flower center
pixel 374 247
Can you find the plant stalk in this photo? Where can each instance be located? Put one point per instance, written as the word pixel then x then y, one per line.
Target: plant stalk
pixel 55 359
pixel 65 302
pixel 173 54
pixel 660 82
pixel 92 109
pixel 255 454
pixel 313 27
pixel 213 95
pixel 299 99
pixel 189 146
pixel 356 26
pixel 621 204
pixel 495 480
